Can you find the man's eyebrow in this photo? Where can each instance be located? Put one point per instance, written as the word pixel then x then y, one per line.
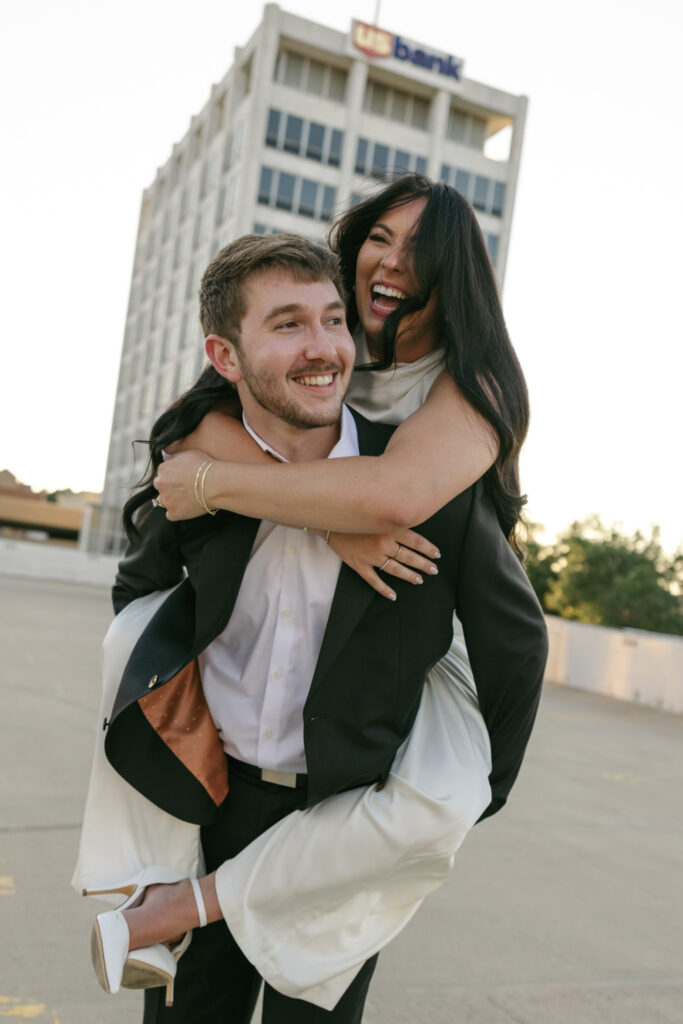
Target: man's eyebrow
pixel 297 307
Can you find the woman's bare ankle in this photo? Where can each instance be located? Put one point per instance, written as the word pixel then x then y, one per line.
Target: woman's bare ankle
pixel 168 911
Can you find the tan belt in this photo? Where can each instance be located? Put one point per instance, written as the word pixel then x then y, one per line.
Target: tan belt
pixel 279 778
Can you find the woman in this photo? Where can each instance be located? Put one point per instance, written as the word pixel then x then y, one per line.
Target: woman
pixel 425 298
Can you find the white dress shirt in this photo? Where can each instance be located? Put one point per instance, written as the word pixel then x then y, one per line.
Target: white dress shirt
pixel 257 673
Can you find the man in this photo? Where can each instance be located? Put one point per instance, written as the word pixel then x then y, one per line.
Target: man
pixel 307 673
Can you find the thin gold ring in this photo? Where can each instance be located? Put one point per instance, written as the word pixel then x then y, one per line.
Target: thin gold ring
pixel 386 562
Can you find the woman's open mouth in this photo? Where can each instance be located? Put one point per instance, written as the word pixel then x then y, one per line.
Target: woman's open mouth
pixel 385 299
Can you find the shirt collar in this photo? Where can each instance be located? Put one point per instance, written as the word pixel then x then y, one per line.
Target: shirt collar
pixel 346 445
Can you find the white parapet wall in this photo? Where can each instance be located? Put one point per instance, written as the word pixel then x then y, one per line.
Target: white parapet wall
pixel 43 561
pixel 629 664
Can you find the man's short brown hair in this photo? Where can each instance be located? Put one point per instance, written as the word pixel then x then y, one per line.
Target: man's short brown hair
pixel 222 303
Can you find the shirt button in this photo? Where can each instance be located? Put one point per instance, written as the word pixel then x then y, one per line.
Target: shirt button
pixel 286 613
pixel 277 675
pixel 269 734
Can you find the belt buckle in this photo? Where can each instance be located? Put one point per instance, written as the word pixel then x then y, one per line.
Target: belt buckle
pixel 279 778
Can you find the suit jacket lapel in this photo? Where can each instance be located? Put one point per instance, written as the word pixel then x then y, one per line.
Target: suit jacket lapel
pixel 221 568
pixel 351 598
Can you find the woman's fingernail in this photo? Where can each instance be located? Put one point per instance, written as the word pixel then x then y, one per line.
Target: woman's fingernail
pixel 433 569
pixel 418 579
pixel 392 596
pixel 436 554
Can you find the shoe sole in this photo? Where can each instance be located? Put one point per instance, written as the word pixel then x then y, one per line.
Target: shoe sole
pixel 97 957
pixel 138 974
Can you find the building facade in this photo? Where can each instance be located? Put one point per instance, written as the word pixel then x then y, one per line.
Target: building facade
pixel 306 120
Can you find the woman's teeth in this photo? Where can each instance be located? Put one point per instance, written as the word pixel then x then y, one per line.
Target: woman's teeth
pixel 387 298
pixel 391 293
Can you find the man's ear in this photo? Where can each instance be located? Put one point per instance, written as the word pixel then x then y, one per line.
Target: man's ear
pixel 224 357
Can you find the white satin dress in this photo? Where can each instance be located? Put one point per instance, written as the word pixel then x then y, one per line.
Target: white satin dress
pixel 325 888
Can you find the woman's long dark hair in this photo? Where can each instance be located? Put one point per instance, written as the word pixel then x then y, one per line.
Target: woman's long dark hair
pixel 210 391
pixel 449 254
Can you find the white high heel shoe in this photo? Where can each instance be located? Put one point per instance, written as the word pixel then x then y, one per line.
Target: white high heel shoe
pixel 116 966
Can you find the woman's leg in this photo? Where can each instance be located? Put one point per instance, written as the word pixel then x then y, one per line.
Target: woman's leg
pixel 319 893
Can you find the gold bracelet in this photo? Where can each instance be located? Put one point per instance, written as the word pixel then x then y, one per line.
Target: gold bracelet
pixel 327 533
pixel 199 494
pixel 211 511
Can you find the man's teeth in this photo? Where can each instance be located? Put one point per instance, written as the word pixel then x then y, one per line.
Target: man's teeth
pixel 320 381
pixel 390 293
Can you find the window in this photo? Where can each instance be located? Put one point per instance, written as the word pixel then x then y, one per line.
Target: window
pixel 265 186
pixel 337 89
pixel 486 195
pixel 311 76
pixel 296 195
pixel 273 128
pixel 380 161
pixel 315 82
pixel 378 99
pixel 402 160
pixel 329 199
pixel 285 191
pixel 304 138
pixel 481 189
pixel 361 156
pixel 293 133
pixel 419 117
pixel 309 195
pixel 316 139
pixel 336 140
pixel 492 246
pixel 462 183
pixel 466 128
pixel 294 70
pixel 385 159
pixel 498 199
pixel 397 105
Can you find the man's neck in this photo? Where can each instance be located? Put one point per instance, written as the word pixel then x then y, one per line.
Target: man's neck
pixel 295 444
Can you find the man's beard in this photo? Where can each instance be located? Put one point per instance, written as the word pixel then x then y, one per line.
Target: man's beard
pixel 269 391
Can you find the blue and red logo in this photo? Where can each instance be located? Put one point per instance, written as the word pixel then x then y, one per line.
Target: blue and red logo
pixel 376 42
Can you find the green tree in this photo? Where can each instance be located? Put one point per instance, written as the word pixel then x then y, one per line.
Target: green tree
pixel 539 563
pixel 596 574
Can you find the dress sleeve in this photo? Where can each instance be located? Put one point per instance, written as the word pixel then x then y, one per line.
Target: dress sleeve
pixel 153 560
pixel 506 638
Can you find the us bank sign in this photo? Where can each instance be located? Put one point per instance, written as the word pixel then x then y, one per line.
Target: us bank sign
pixel 377 42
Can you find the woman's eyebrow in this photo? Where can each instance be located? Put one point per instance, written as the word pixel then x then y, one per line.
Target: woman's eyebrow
pixel 384 227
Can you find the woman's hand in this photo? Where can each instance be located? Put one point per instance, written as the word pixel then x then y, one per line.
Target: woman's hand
pixel 175 483
pixel 403 554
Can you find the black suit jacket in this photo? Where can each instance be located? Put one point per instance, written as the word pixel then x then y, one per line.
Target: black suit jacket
pixel 374 658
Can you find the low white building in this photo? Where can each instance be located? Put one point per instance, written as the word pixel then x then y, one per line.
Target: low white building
pixel 304 119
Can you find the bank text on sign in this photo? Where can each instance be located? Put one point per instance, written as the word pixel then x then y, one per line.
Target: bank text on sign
pixel 377 42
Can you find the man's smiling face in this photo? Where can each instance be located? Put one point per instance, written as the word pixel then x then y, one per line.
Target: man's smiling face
pixel 295 355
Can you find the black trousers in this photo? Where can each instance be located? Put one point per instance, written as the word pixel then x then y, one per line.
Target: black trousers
pixel 215 983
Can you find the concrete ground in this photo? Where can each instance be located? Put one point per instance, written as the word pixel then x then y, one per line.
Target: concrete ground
pixel 567 908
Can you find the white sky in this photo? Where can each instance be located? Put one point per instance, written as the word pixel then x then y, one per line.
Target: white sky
pixel 95 95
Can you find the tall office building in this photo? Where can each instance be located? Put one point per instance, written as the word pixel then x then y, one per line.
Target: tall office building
pixel 302 123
